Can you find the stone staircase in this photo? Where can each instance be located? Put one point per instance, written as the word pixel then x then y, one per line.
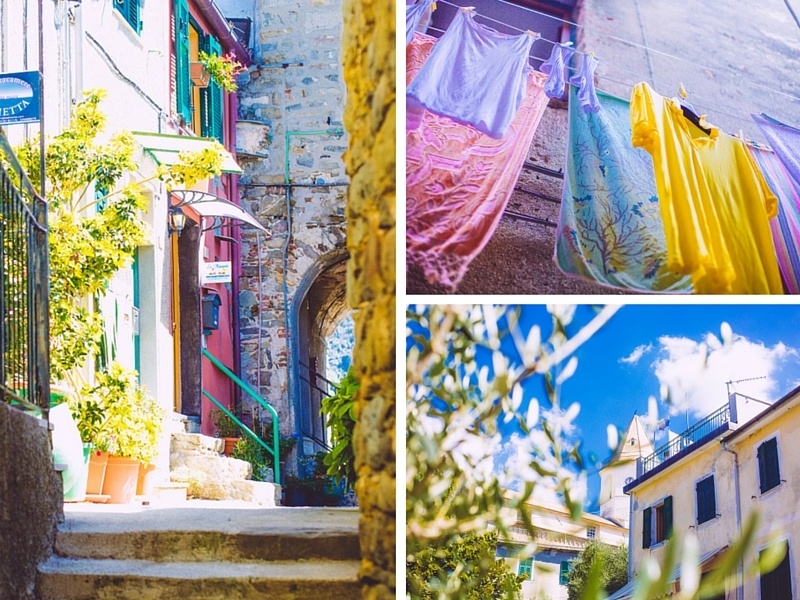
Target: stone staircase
pixel 195 459
pixel 204 553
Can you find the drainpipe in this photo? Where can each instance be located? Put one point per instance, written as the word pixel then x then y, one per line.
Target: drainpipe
pixel 740 583
pixel 290 349
pixel 630 540
pixel 225 34
pixel 236 250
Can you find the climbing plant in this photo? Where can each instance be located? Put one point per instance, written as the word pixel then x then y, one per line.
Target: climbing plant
pixel 95 203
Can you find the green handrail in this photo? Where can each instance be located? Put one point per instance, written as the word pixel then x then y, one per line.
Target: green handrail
pixel 274 451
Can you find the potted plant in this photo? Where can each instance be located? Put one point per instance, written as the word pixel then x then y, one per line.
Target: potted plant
pixel 227 429
pixel 222 69
pixel 312 486
pixel 199 74
pixel 122 421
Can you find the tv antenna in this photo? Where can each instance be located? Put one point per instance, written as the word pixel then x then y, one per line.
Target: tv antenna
pixel 728 383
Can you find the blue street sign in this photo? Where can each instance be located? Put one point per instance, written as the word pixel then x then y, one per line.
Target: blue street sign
pixel 19 98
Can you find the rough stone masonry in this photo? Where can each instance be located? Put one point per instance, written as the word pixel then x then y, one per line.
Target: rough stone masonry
pixel 368 46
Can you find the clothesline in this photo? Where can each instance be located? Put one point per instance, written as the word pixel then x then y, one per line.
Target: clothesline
pixel 641 77
pixel 637 45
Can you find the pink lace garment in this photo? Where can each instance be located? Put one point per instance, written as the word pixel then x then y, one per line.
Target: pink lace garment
pixel 459 180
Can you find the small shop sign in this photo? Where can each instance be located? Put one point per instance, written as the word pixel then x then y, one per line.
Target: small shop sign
pixel 19 97
pixel 217 272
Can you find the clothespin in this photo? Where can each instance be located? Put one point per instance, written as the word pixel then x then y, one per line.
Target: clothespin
pixel 467 8
pixel 433 7
pixel 682 91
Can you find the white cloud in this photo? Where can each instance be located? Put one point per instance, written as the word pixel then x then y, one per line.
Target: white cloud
pixel 695 372
pixel 637 353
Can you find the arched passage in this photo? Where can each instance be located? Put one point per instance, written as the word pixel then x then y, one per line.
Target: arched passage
pixel 319 305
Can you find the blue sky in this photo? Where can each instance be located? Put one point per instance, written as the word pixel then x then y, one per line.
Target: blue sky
pixel 644 347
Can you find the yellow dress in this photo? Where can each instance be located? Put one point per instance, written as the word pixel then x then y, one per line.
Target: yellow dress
pixel 714 200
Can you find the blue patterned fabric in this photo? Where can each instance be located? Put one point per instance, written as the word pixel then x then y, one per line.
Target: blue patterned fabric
pixel 610 229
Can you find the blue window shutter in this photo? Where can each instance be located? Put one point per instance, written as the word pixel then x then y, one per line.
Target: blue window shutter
pixel 646 527
pixel 563 573
pixel 769 472
pixel 183 87
pixel 706 500
pixel 213 101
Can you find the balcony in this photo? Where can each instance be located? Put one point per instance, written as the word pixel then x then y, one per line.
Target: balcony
pixel 714 423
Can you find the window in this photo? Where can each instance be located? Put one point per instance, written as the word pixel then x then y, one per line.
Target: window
pixel 769 472
pixel 706 500
pixel 200 109
pixel 591 531
pixel 777 584
pixel 563 572
pixel 525 568
pixel 129 9
pixel 657 523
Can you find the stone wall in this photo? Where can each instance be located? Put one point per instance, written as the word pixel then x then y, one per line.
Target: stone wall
pixel 290 129
pixel 368 46
pixel 30 502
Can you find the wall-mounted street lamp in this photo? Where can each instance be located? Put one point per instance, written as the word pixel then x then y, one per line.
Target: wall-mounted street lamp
pixel 177 220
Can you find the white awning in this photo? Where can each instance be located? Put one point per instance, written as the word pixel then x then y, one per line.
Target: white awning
pixel 165 148
pixel 209 205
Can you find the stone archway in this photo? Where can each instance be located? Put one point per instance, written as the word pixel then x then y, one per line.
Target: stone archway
pixel 319 305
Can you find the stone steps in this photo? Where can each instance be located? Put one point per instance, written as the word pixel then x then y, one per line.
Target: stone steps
pixel 208 553
pixel 90 579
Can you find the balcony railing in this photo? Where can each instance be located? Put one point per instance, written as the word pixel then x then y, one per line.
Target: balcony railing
pixel 691 436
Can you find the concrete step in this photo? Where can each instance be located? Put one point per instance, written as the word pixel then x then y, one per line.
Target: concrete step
pixel 90 579
pixel 183 534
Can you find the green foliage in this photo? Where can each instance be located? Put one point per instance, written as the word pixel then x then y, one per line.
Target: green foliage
pixel 313 476
pixel 610 563
pixel 88 246
pixel 225 426
pixel 251 451
pixel 223 69
pixel 465 569
pixel 340 416
pixel 118 417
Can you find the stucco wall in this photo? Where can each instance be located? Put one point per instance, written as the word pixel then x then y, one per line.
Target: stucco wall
pixel 30 502
pixel 679 482
pixel 368 44
pixel 290 129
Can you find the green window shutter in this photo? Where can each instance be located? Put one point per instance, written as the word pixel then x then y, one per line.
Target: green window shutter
pixel 667 516
pixel 706 500
pixel 563 573
pixel 130 10
pixel 646 527
pixel 769 472
pixel 212 100
pixel 525 568
pixel 183 87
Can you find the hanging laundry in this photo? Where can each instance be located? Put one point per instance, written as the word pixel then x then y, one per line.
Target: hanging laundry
pixel 714 200
pixel 475 75
pixel 609 228
pixel 786 227
pixel 459 180
pixel 555 68
pixel 584 81
pixel 417 17
pixel 784 140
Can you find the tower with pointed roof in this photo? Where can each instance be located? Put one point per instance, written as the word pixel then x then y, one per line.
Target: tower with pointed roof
pixel 620 470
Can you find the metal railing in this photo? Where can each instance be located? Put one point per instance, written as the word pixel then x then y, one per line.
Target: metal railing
pixel 274 450
pixel 314 388
pixel 692 435
pixel 24 289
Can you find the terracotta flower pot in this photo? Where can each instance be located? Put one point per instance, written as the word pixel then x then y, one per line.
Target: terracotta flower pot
pixel 97 472
pixel 122 475
pixel 230 443
pixel 144 486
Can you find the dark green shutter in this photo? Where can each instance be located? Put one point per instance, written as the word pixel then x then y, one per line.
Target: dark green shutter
pixel 646 527
pixel 183 87
pixel 706 500
pixel 769 471
pixel 777 584
pixel 212 100
pixel 667 516
pixel 563 573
